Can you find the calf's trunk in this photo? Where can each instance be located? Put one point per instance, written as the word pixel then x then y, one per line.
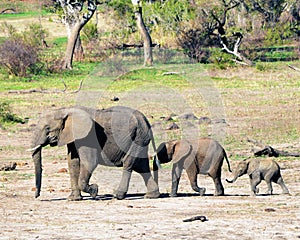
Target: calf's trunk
pixel 233 180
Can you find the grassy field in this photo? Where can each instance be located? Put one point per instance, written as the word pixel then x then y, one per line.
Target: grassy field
pixel 263 105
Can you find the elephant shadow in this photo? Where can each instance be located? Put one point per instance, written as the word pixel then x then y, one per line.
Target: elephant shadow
pixel 138 196
pixel 132 197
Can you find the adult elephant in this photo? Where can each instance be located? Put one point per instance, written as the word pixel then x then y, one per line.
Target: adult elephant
pixel 117 136
pixel 201 156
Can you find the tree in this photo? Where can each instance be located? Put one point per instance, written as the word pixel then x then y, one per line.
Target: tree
pixel 148 58
pixel 76 14
pixel 270 9
pixel 215 23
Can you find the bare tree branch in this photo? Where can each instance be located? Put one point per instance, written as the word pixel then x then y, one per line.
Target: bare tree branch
pixel 294 68
pixel 47 91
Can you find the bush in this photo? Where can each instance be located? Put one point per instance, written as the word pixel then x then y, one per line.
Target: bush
pixel 6 116
pixel 18 57
pixel 193 42
pixel 19 54
pixel 221 59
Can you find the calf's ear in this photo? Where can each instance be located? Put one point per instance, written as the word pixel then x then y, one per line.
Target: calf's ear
pixel 181 150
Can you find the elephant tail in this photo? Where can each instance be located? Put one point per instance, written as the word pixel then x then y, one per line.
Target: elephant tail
pixel 156 161
pixel 226 158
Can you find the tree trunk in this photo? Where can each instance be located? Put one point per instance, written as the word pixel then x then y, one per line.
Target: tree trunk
pixel 148 58
pixel 78 51
pixel 75 21
pixel 71 46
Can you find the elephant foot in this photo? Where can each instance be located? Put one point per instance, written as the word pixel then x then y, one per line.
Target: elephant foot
pixel 202 191
pixel 173 194
pixel 219 193
pixel 269 192
pixel 253 194
pixel 120 195
pixel 254 191
pixel 75 196
pixel 93 190
pixel 286 192
pixel 154 194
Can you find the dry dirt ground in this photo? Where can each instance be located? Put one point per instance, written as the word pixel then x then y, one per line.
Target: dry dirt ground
pixel 234 216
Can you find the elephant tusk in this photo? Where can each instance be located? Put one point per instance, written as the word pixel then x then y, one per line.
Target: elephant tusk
pixel 158 163
pixel 156 160
pixel 33 149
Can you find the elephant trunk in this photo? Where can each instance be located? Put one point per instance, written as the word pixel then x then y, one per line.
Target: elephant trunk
pixel 233 180
pixel 37 159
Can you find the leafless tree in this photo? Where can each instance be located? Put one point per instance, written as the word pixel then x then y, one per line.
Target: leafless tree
pixel 217 27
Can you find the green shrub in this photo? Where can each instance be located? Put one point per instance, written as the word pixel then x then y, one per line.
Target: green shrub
pixel 20 52
pixel 221 59
pixel 6 116
pixel 262 67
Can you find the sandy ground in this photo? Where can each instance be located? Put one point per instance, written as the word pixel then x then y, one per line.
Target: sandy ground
pixel 233 216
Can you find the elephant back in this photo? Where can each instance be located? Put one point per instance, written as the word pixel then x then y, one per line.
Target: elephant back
pixel 210 155
pixel 124 127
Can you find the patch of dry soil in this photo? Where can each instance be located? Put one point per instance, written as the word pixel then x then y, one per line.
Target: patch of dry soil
pixel 234 216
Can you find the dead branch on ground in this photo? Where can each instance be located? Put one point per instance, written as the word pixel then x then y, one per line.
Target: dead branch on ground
pixel 294 68
pixel 8 167
pixel 47 91
pixel 270 151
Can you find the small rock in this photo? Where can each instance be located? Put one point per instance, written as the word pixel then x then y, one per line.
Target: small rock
pixel 188 116
pixel 63 170
pixel 204 120
pixel 270 210
pixel 172 126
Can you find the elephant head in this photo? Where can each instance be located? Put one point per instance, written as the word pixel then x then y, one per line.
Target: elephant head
pixel 241 169
pixel 57 128
pixel 174 151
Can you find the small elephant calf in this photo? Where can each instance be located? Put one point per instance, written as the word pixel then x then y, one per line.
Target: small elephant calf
pixel 201 156
pixel 260 169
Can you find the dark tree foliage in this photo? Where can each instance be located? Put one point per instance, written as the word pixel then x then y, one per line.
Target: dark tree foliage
pixel 194 42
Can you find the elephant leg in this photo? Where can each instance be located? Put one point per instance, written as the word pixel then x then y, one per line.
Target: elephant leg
pixel 270 188
pixel 83 182
pixel 176 174
pixel 142 167
pixel 192 174
pixel 254 181
pixel 74 169
pixel 120 193
pixel 281 183
pixel 219 189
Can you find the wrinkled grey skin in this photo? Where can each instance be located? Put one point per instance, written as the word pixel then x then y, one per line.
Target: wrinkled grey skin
pixel 260 169
pixel 117 136
pixel 202 156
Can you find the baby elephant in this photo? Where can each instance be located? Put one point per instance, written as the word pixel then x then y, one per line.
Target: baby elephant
pixel 260 169
pixel 202 156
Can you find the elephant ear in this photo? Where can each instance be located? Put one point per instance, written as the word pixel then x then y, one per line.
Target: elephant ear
pixel 76 124
pixel 181 150
pixel 252 165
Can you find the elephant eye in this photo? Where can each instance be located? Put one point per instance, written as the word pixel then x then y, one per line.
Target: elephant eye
pixel 47 129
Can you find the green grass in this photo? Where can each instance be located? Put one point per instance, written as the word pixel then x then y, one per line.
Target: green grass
pixel 72 78
pixel 23 15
